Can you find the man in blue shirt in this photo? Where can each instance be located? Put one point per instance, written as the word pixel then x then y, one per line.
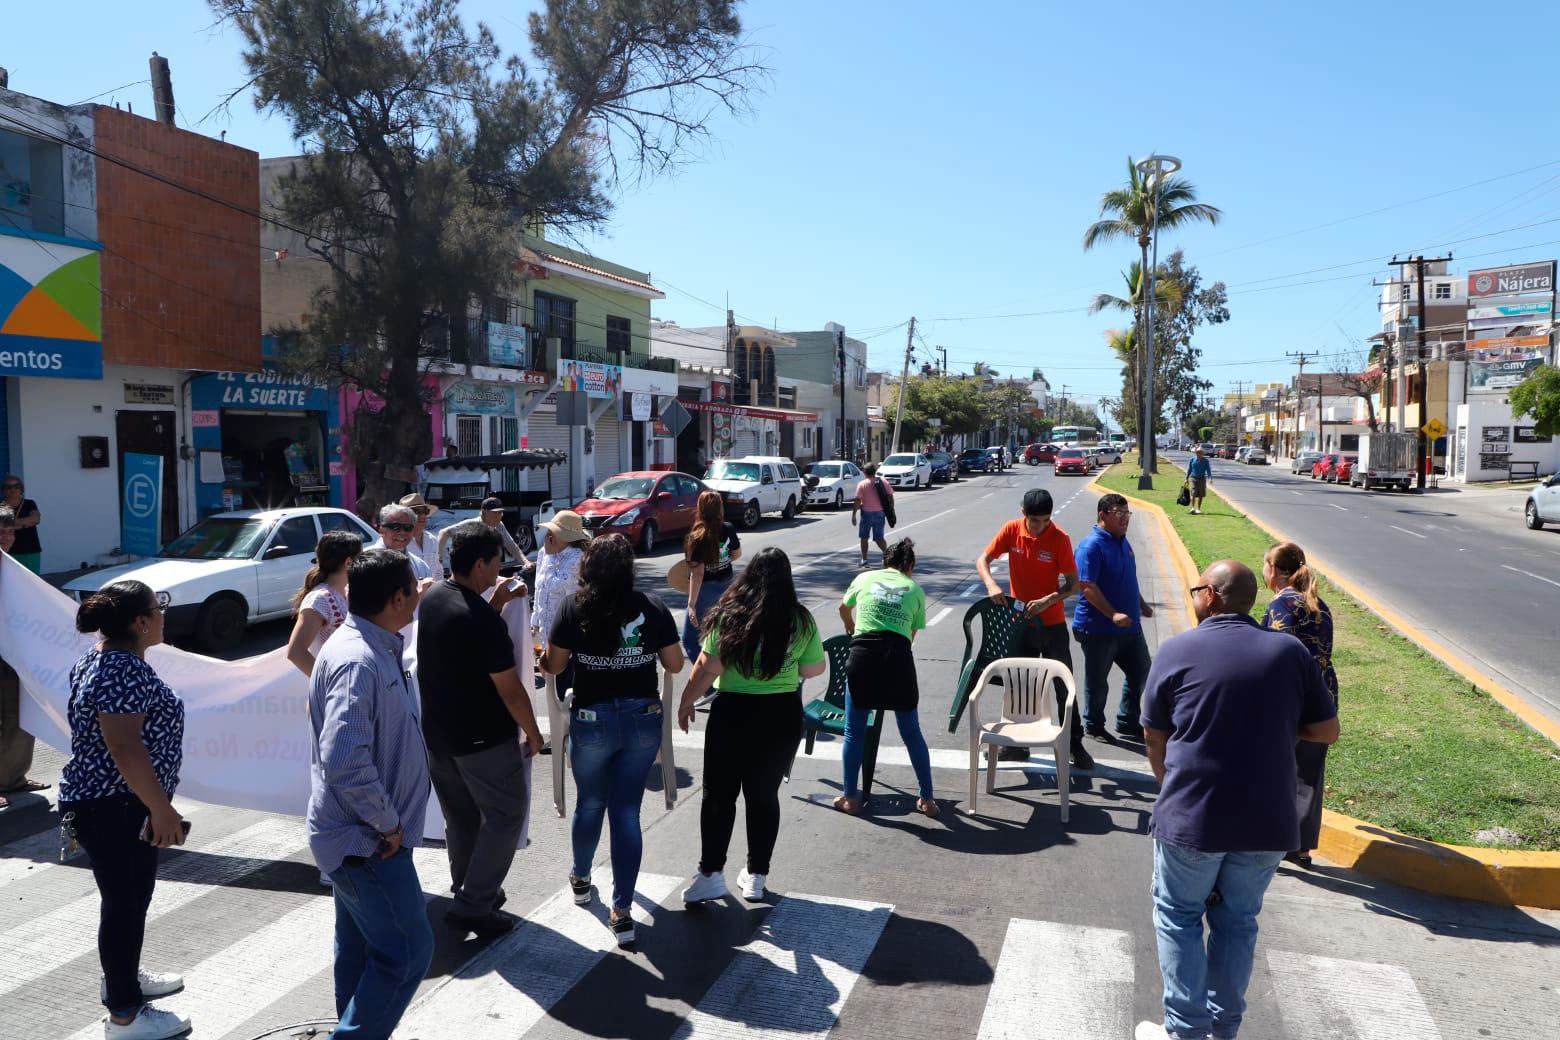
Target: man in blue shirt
pixel 1222 710
pixel 368 795
pixel 1198 471
pixel 1108 621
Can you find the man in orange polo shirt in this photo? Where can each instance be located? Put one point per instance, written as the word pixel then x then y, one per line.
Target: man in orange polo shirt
pixel 1041 574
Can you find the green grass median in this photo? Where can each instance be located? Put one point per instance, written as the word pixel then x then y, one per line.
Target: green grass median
pixel 1423 751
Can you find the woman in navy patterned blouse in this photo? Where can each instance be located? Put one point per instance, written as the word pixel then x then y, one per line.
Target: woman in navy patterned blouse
pixel 1299 611
pixel 126 736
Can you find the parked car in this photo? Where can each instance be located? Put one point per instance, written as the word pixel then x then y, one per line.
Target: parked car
pixel 754 485
pixel 974 460
pixel 1072 460
pixel 230 570
pixel 1035 454
pixel 1240 452
pixel 1324 462
pixel 1226 451
pixel 944 468
pixel 1543 504
pixel 1255 456
pixel 907 469
pixel 642 506
pixel 1339 474
pixel 998 456
pixel 1303 461
pixel 837 480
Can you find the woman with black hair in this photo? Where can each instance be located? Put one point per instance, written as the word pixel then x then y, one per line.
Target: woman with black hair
pixel 710 549
pixel 760 642
pixel 883 610
pixel 615 635
pixel 320 606
pixel 126 735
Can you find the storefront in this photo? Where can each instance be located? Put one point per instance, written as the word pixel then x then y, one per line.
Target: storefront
pixel 741 429
pixel 265 440
pixel 645 393
pixel 484 414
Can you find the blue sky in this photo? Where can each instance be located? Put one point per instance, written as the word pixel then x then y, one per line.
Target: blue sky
pixel 925 159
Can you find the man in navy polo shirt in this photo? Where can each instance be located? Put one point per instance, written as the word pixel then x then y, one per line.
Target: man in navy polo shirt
pixel 1223 707
pixel 1108 621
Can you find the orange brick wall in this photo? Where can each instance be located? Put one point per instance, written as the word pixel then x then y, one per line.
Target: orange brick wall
pixel 181 274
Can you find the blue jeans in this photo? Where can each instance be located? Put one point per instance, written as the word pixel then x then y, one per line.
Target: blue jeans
pixel 383 944
pixel 1205 989
pixel 611 754
pixel 709 592
pixel 1129 652
pixel 909 723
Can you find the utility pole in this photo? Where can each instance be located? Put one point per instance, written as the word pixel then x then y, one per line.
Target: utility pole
pixel 839 339
pixel 1302 358
pixel 1421 441
pixel 904 384
pixel 1240 408
pixel 944 352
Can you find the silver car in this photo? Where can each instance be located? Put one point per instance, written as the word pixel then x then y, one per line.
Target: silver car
pixel 1303 461
pixel 1256 457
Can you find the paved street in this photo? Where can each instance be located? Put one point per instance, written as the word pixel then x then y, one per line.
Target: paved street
pixel 1005 924
pixel 1459 564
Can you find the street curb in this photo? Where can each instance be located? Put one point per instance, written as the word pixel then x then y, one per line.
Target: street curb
pixel 1505 877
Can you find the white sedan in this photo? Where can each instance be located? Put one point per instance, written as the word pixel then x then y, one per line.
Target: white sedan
pixel 906 470
pixel 230 570
pixel 837 480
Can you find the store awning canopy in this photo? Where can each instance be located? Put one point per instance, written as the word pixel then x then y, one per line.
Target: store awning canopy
pixel 473 469
pixel 722 408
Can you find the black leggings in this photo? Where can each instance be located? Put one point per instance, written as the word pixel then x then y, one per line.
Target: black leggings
pixel 125 868
pixel 750 740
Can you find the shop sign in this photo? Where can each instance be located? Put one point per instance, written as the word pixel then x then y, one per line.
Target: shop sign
pixel 269 389
pixel 1537 308
pixel 480 398
pixel 720 391
pixel 639 407
pixel 596 380
pixel 650 381
pixel 507 344
pixel 1519 278
pixel 1499 364
pixel 148 393
pixel 51 310
pixel 140 517
pixel 1529 435
pixel 205 417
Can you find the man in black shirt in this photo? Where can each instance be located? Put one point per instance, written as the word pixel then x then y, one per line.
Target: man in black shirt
pixel 474 707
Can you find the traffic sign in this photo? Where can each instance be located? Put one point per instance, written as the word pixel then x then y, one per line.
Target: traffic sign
pixel 1434 429
pixel 675 418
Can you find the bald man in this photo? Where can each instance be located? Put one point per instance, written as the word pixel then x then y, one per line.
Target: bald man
pixel 1222 708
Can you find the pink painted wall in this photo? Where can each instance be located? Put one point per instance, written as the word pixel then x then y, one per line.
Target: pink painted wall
pixel 350 396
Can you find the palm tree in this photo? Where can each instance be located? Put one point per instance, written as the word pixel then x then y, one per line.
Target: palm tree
pixel 1167 292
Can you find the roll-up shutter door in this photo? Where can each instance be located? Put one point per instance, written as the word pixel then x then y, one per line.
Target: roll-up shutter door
pixel 609 450
pixel 546 433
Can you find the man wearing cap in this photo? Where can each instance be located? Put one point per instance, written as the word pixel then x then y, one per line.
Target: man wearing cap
pixel 491 516
pixel 1041 575
pixel 423 545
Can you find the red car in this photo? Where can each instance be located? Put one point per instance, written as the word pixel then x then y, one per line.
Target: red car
pixel 1072 460
pixel 1038 453
pixel 642 506
pixel 1321 466
pixel 1342 469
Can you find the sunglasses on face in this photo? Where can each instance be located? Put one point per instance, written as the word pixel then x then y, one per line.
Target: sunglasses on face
pixel 397 527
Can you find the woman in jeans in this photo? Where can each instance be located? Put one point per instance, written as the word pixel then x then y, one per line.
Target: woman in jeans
pixel 320 607
pixel 126 732
pixel 710 549
pixel 615 635
pixel 883 610
pixel 1298 610
pixel 759 644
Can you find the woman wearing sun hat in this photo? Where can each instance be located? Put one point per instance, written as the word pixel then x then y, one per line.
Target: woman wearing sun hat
pixel 564 539
pixel 425 546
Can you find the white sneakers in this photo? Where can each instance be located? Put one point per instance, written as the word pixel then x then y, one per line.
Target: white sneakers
pixel 705 887
pixel 149 1024
pixel 751 886
pixel 1150 1031
pixel 154 984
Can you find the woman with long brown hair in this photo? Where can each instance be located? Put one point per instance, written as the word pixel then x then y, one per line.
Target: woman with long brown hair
pixel 1298 610
pixel 710 549
pixel 320 606
pixel 760 642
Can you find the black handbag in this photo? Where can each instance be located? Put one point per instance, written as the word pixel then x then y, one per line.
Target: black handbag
pixel 1185 497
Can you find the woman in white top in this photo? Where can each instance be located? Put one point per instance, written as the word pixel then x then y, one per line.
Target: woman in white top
pixel 557 568
pixel 321 605
pixel 424 544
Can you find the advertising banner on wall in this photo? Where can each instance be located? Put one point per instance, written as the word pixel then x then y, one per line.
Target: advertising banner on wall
pixel 1534 309
pixel 1500 364
pixel 506 344
pixel 475 398
pixel 140 512
pixel 1518 278
pixel 596 380
pixel 51 310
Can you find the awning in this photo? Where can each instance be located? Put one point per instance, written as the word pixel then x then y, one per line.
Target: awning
pixel 473 469
pixel 721 408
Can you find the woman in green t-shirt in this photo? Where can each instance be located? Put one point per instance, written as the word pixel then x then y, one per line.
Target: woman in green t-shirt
pixel 759 644
pixel 882 611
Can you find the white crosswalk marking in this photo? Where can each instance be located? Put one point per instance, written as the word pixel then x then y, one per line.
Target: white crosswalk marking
pixel 1060 982
pixel 1323 998
pixel 48 942
pixel 792 980
pixel 25 857
pixel 510 986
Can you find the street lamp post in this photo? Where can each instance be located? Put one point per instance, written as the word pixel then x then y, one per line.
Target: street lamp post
pixel 1155 166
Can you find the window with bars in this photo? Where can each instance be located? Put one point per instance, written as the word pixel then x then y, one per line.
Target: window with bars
pixel 555 319
pixel 468 435
pixel 619 335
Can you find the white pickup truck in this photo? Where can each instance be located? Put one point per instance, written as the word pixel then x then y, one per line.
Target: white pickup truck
pixel 755 485
pixel 1386 460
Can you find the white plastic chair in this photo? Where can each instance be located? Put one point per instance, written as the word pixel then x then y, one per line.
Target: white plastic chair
pixel 561 711
pixel 1028 720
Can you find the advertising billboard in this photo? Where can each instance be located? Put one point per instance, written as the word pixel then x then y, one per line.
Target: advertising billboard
pixel 1518 278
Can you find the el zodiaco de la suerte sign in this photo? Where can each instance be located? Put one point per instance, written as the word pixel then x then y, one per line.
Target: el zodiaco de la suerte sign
pixel 1519 278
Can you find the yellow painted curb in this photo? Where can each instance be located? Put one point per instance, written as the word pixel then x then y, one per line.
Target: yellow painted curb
pixel 1501 876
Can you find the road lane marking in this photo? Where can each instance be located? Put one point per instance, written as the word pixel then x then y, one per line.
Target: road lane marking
pixel 1405 530
pixel 26 856
pixel 944 612
pixel 1344 508
pixel 988 494
pixel 1371 1001
pixel 1296 493
pixel 794 977
pixel 1530 574
pixel 510 986
pixel 1060 982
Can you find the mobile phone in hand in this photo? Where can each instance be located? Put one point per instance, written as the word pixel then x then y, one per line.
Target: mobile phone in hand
pixel 146 829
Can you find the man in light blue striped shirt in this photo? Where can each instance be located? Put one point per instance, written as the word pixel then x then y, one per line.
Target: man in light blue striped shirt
pixel 368 795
